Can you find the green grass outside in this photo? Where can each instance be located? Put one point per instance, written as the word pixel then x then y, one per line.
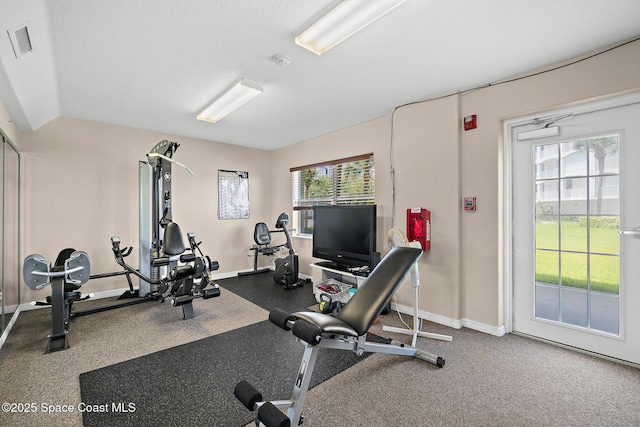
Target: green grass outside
pixel 605 270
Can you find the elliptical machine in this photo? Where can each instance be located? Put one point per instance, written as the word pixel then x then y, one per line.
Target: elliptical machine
pixel 286 270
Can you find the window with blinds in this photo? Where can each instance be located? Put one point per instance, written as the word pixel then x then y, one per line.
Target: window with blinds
pixel 349 181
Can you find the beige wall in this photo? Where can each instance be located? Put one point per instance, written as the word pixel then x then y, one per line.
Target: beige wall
pixel 437 163
pixel 81 184
pixel 426 154
pixel 606 75
pixel 81 188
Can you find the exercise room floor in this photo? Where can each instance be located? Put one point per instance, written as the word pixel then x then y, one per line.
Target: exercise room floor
pixel 487 380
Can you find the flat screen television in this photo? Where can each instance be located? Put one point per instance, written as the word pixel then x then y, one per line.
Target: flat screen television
pixel 345 235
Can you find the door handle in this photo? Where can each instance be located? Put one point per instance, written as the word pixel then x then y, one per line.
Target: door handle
pixel 635 232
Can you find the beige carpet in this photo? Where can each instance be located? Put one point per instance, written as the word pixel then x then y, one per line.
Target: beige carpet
pixel 487 381
pixel 98 340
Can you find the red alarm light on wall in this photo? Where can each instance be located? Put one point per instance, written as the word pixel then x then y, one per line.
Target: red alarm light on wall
pixel 470 122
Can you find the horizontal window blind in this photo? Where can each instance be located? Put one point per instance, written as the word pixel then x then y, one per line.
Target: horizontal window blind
pixel 344 181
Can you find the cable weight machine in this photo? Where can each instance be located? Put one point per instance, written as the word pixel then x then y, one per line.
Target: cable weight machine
pixel 166 270
pixel 154 190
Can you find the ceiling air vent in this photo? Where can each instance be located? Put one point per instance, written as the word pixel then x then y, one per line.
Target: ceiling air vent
pixel 21 39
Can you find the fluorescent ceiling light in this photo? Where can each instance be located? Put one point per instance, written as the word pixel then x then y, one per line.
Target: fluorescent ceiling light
pixel 343 21
pixel 230 100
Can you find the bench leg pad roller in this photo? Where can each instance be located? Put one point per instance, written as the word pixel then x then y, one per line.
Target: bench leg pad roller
pixel 247 395
pixel 271 416
pixel 279 317
pixel 307 332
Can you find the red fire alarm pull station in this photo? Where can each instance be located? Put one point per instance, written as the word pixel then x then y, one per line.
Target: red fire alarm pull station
pixel 470 122
pixel 470 204
pixel 419 227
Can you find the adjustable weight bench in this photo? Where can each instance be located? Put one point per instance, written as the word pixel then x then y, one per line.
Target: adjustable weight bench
pixel 346 331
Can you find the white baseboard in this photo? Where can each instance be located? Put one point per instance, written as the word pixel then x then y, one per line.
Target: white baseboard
pixel 452 323
pixel 10 308
pixel 497 331
pixel 228 275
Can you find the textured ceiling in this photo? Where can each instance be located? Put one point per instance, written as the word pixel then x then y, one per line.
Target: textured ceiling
pixel 154 64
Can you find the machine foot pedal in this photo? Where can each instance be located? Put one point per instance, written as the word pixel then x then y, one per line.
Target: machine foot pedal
pixel 271 416
pixel 247 395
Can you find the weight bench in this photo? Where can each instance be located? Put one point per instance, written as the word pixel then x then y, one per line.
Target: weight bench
pixel 345 331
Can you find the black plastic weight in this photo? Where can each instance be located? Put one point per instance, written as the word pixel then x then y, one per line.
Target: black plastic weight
pixel 326 303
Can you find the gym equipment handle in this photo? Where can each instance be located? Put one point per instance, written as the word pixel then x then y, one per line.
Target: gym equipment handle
pixel 57 273
pixel 156 262
pixel 162 156
pixel 187 258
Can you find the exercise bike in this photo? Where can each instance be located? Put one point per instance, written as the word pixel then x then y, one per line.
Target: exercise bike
pixel 286 271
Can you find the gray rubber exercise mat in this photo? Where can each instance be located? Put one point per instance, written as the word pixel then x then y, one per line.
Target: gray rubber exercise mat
pixel 192 384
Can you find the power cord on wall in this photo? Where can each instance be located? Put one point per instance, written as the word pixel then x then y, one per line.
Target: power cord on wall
pixel 393 112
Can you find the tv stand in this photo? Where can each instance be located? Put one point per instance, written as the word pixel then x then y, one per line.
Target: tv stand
pixel 333 266
pixel 327 270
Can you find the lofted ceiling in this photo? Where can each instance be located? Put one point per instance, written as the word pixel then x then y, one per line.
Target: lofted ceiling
pixel 155 64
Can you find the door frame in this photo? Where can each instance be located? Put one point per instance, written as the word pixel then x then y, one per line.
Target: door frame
pixel 612 101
